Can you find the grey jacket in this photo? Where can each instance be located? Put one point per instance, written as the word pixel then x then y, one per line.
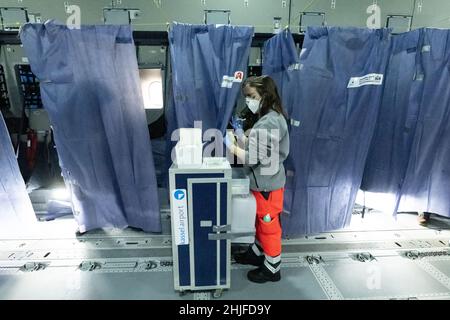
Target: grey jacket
pixel 266 149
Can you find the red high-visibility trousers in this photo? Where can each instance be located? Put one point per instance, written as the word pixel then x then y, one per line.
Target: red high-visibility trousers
pixel 268 234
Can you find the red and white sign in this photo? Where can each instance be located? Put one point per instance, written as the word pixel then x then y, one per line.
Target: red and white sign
pixel 238 76
pixel 227 81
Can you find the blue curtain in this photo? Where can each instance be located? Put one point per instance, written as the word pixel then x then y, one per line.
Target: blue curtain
pixel 426 184
pixel 90 88
pixel 208 63
pixel 339 92
pixel 16 213
pixel 280 62
pixel 410 154
pixel 392 142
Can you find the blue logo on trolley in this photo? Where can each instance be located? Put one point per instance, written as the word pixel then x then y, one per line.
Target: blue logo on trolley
pixel 179 195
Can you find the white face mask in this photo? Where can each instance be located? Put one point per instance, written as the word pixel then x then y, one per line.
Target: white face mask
pixel 252 104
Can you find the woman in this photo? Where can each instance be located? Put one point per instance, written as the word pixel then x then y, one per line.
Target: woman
pixel 262 154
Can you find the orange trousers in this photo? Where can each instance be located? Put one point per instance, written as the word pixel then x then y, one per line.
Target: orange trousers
pixel 268 234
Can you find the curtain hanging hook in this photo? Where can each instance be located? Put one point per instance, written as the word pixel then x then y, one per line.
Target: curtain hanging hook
pixel 333 4
pixel 419 6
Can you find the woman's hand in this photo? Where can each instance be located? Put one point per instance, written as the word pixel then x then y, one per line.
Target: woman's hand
pixel 231 138
pixel 230 141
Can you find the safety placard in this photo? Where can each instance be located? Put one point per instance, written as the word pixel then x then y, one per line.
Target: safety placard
pixel 180 216
pixel 369 79
pixel 227 81
pixel 238 76
pixel 295 123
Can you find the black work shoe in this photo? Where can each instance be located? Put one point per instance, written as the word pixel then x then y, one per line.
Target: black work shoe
pixel 249 257
pixel 262 275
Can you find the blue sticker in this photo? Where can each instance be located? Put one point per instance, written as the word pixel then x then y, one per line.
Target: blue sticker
pixel 179 194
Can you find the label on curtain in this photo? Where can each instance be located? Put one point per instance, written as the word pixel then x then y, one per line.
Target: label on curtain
pixel 295 66
pixel 180 217
pixel 227 81
pixel 375 79
pixel 238 76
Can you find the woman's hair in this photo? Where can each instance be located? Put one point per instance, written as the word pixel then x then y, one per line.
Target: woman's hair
pixel 267 89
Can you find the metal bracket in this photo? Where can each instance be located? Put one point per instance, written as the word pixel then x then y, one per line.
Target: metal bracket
pixel 223 228
pixel 230 235
pixel 120 265
pixel 333 4
pixel 157 3
pixel 166 263
pixel 420 5
pixel 66 6
pixel 217 293
pixel 150 265
pixel 314 259
pixel 89 266
pixel 33 266
pixel 202 295
pixel 362 257
pixel 414 254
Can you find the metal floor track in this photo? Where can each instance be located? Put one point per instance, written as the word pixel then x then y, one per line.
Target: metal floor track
pixel 410 262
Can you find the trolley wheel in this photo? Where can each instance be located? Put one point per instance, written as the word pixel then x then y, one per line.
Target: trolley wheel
pixel 182 293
